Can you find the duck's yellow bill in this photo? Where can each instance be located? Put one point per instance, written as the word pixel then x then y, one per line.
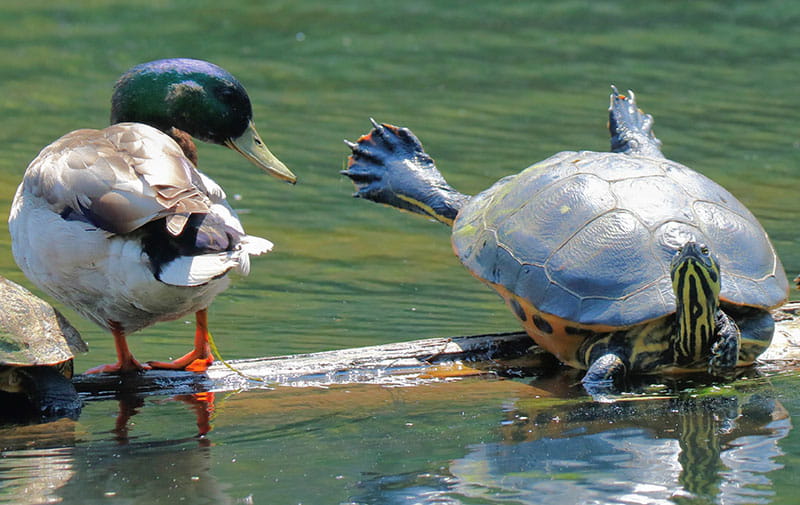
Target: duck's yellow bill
pixel 250 145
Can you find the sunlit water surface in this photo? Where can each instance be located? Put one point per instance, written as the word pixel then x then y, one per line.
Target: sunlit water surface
pixel 489 89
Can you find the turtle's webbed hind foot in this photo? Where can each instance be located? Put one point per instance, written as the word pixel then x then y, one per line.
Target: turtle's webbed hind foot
pixel 384 148
pixel 388 165
pixel 631 129
pixel 393 139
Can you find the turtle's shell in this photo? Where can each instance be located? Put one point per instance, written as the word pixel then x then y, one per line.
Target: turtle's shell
pixel 31 331
pixel 588 237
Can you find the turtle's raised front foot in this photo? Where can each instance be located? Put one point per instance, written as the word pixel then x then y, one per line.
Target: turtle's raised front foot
pixel 631 129
pixel 725 350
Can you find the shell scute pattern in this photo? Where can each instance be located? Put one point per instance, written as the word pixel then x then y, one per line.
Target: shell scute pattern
pixel 670 203
pixel 531 284
pixel 32 332
pixel 616 167
pixel 588 237
pixel 725 228
pixel 542 226
pixel 556 299
pixel 604 258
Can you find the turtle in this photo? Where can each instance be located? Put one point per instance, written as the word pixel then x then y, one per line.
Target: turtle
pixel 37 347
pixel 620 262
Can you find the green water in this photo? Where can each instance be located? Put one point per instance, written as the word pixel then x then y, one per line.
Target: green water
pixel 489 89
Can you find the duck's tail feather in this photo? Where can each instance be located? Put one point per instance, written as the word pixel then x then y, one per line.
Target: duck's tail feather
pixel 203 268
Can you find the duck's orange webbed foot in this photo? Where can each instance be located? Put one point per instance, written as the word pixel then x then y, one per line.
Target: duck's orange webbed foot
pixel 126 363
pixel 192 362
pixel 199 358
pixel 128 366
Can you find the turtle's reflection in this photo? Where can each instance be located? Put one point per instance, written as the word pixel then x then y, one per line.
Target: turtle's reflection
pixel 37 460
pixel 715 446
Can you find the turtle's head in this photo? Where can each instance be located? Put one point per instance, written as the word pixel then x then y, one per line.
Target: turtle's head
pixel 389 165
pixel 198 98
pixel 696 281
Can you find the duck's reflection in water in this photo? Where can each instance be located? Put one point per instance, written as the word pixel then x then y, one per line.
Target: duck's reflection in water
pixel 202 404
pixel 55 462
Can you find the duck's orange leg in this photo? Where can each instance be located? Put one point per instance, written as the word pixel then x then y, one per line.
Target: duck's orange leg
pixel 199 358
pixel 125 360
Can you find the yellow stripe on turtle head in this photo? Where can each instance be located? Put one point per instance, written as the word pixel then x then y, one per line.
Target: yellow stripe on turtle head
pixel 696 283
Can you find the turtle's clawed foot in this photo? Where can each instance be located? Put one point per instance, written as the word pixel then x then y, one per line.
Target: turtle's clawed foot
pixel 605 377
pixel 383 153
pixel 386 161
pixel 723 357
pixel 725 350
pixel 386 141
pixel 631 129
pixel 389 165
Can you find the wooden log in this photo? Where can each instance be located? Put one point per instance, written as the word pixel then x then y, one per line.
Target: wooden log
pixel 404 363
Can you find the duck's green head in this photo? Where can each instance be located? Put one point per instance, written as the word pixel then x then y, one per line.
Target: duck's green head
pixel 198 98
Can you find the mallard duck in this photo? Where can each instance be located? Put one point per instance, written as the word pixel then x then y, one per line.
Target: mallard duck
pixel 120 225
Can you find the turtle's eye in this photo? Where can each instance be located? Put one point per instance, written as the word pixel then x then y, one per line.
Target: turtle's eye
pixel 704 250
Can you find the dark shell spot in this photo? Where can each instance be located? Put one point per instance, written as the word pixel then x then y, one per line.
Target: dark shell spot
pixel 572 330
pixel 543 325
pixel 518 310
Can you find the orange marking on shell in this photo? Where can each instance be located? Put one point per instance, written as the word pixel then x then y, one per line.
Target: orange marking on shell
pixel 558 342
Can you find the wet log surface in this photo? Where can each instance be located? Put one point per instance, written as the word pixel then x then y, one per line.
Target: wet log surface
pixel 404 363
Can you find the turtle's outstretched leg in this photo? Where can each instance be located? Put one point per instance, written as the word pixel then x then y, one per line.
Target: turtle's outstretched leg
pixel 725 349
pixel 605 376
pixel 631 129
pixel 390 166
